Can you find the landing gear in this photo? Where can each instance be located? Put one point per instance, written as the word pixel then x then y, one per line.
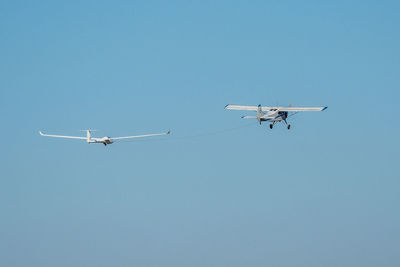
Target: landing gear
pixel 288 125
pixel 271 126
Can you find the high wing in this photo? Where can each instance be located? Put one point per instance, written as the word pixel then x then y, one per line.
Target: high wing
pixel 240 107
pixel 63 136
pixel 139 136
pixel 265 108
pixel 299 109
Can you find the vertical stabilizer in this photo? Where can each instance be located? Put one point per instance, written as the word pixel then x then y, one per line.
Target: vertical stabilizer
pixel 260 113
pixel 88 135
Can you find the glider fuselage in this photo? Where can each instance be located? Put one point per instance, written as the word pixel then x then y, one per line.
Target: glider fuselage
pixel 104 140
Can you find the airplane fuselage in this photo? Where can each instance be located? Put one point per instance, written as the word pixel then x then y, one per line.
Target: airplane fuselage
pixel 275 116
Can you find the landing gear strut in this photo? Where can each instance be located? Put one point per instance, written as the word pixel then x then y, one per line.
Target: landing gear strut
pixel 288 125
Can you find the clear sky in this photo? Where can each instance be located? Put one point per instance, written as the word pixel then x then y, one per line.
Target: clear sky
pixel 325 193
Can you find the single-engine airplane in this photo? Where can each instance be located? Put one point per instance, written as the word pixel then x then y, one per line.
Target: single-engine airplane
pixel 273 114
pixel 103 140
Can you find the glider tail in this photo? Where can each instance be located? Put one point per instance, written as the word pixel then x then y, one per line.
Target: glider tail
pixel 88 134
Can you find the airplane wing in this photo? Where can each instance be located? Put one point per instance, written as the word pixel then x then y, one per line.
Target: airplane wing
pixel 294 109
pixel 265 108
pixel 139 136
pixel 63 136
pixel 240 107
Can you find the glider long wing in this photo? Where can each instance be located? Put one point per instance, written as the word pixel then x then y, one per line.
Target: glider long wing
pixel 265 108
pixel 63 136
pixel 139 136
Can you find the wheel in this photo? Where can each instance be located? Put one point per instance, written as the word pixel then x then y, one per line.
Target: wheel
pixel 288 127
pixel 271 126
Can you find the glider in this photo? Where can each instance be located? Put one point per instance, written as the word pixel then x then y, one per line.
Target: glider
pixel 272 114
pixel 103 140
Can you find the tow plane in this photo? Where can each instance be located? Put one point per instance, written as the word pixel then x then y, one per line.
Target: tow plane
pixel 273 114
pixel 106 140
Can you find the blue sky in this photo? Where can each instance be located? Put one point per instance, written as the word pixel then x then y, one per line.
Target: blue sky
pixel 325 193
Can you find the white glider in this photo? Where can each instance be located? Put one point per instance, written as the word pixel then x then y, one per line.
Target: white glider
pixel 103 140
pixel 272 114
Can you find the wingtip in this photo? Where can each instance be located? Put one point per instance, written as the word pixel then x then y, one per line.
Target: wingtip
pixel 226 106
pixel 324 108
pixel 169 131
pixel 40 132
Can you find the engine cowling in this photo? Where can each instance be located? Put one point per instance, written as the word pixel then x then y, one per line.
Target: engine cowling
pixel 283 114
